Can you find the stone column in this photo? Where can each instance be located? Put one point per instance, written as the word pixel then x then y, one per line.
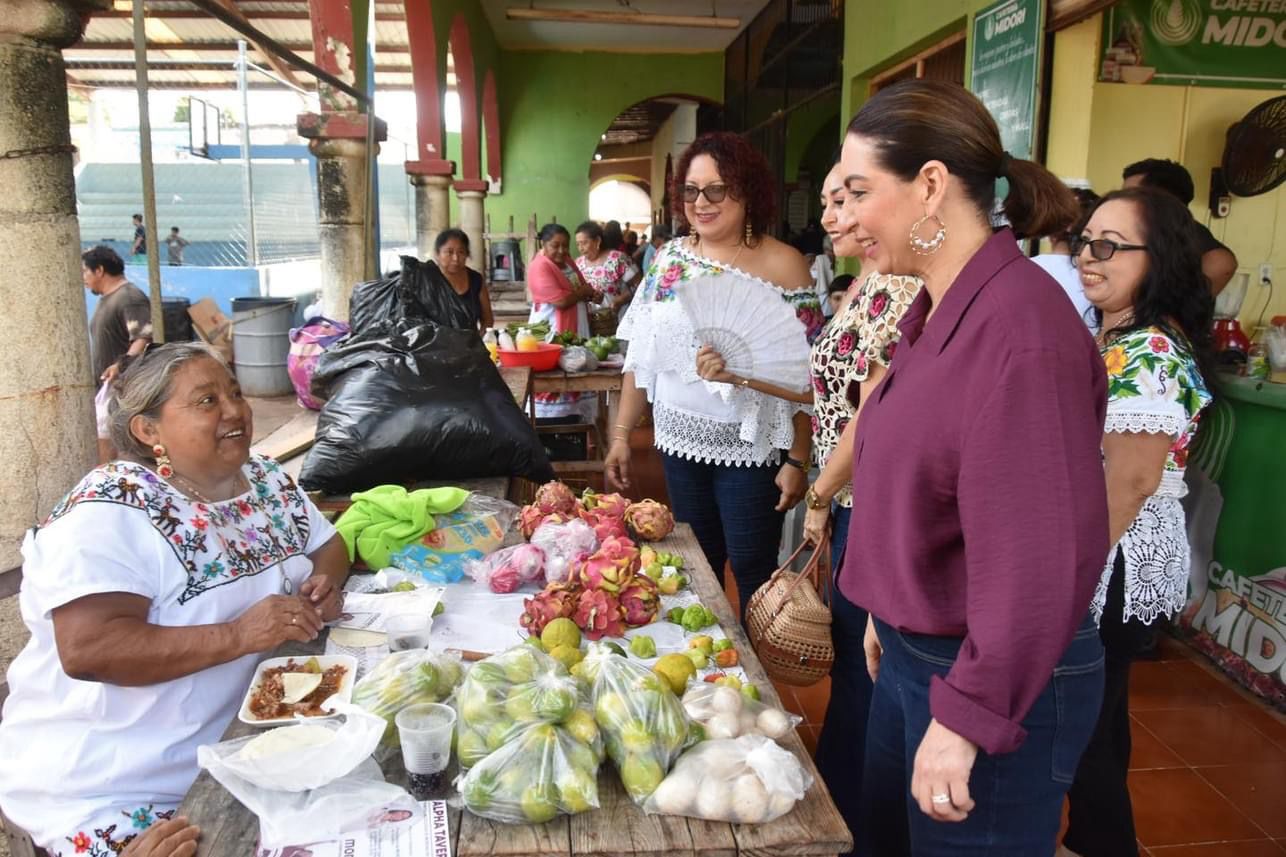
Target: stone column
pixel 432 210
pixel 471 193
pixel 47 437
pixel 338 141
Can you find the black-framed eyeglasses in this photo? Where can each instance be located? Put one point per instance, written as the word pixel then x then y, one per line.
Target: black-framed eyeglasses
pixel 1101 249
pixel 715 193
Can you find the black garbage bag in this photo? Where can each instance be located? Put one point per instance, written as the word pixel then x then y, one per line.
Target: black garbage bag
pixel 423 402
pixel 416 294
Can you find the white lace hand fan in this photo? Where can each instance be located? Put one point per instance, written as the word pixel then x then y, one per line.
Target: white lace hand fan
pixel 751 326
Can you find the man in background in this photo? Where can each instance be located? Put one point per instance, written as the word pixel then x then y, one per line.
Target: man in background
pixel 1217 262
pixel 660 234
pixel 174 245
pixel 122 324
pixel 138 250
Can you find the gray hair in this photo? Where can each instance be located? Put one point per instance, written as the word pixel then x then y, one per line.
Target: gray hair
pixel 144 385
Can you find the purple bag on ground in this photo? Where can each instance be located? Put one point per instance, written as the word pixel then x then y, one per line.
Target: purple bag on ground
pixel 306 346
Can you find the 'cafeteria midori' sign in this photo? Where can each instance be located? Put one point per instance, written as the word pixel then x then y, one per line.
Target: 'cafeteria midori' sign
pixel 1236 43
pixel 1005 66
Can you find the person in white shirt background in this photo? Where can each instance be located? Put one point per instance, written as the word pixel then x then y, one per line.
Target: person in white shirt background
pixel 1058 262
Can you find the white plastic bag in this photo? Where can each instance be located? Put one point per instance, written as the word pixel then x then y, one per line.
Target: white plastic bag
pixel 298 766
pixel 746 780
pixel 101 398
pixel 564 546
pixel 353 803
pixel 725 712
pixel 508 568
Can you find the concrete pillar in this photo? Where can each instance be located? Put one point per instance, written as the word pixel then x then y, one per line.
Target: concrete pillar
pixel 47 438
pixel 338 141
pixel 432 210
pixel 473 219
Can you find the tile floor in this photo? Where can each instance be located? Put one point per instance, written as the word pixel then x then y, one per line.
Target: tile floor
pixel 1208 775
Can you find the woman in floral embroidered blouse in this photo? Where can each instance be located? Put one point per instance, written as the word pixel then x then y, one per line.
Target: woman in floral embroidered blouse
pixel 1142 272
pixel 151 591
pixel 608 272
pixel 721 445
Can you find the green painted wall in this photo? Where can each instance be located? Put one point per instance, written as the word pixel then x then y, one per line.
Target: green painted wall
pixel 555 105
pixel 802 128
pixel 878 35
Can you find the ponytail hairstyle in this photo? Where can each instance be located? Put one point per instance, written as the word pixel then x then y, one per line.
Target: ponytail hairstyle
pixel 913 122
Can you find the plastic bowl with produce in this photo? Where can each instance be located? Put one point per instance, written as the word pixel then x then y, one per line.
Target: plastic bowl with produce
pixel 543 359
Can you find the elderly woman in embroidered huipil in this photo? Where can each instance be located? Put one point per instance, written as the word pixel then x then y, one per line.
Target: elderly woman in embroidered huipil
pixel 150 591
pixel 1142 272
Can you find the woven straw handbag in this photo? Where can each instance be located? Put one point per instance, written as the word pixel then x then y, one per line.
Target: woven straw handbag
pixel 789 621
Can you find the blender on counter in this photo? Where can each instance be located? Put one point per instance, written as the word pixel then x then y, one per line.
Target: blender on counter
pixel 1231 344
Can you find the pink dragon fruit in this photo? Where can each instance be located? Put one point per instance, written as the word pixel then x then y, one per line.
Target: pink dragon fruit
pixel 610 567
pixel 544 607
pixel 606 524
pixel 613 504
pixel 556 497
pixel 649 520
pixel 639 600
pixel 598 614
pixel 531 517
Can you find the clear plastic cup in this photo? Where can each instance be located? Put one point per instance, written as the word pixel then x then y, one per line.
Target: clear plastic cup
pixel 425 731
pixel 407 631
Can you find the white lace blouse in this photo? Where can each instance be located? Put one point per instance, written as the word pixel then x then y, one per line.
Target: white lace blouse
pixel 1154 386
pixel 695 419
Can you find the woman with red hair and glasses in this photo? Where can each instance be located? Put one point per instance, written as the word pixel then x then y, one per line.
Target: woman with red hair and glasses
pixel 735 459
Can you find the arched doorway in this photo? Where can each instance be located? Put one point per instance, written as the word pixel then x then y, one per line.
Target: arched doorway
pixel 624 199
pixel 638 145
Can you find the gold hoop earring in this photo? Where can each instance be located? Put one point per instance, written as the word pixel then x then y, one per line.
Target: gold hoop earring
pixel 163 466
pixel 927 248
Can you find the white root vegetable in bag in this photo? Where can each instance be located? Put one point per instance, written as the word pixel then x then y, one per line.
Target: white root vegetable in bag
pixel 564 545
pixel 725 712
pixel 746 780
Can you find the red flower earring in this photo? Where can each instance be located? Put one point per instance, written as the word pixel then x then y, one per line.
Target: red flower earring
pixel 163 466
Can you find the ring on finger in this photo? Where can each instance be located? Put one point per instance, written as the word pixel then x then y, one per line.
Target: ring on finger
pixel 941 799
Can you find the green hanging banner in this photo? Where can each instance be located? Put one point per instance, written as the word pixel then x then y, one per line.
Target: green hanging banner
pixel 1231 43
pixel 1005 62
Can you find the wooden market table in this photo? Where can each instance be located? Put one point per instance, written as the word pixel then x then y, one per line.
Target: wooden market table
pixel 607 385
pixel 813 827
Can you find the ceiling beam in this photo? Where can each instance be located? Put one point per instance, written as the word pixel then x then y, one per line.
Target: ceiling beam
pixel 265 15
pixel 223 47
pixel 162 65
pixel 275 62
pixel 83 82
pixel 590 16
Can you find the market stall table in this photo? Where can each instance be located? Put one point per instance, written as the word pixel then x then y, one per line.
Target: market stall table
pixel 605 383
pixel 618 826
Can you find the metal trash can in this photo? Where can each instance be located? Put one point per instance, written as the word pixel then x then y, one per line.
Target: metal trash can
pixel 506 260
pixel 261 343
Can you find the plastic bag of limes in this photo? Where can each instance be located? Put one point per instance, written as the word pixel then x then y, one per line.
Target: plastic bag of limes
pixel 541 772
pixel 506 694
pixel 643 722
pixel 406 678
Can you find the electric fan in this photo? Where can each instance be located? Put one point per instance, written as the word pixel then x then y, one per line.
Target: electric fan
pixel 1254 155
pixel 752 328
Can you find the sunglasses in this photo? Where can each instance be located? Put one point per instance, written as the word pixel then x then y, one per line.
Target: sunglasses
pixel 715 193
pixel 1101 249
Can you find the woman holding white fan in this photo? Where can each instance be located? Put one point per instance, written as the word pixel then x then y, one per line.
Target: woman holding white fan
pixel 735 459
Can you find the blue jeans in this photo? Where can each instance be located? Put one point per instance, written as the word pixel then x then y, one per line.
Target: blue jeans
pixel 842 744
pixel 840 516
pixel 732 511
pixel 1018 795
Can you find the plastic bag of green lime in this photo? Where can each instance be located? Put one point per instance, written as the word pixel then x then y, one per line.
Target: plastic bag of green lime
pixel 643 723
pixel 540 773
pixel 406 678
pixel 508 693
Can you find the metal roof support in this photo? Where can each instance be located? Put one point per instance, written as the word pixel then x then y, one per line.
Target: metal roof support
pixel 252 246
pixel 149 182
pixel 268 44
